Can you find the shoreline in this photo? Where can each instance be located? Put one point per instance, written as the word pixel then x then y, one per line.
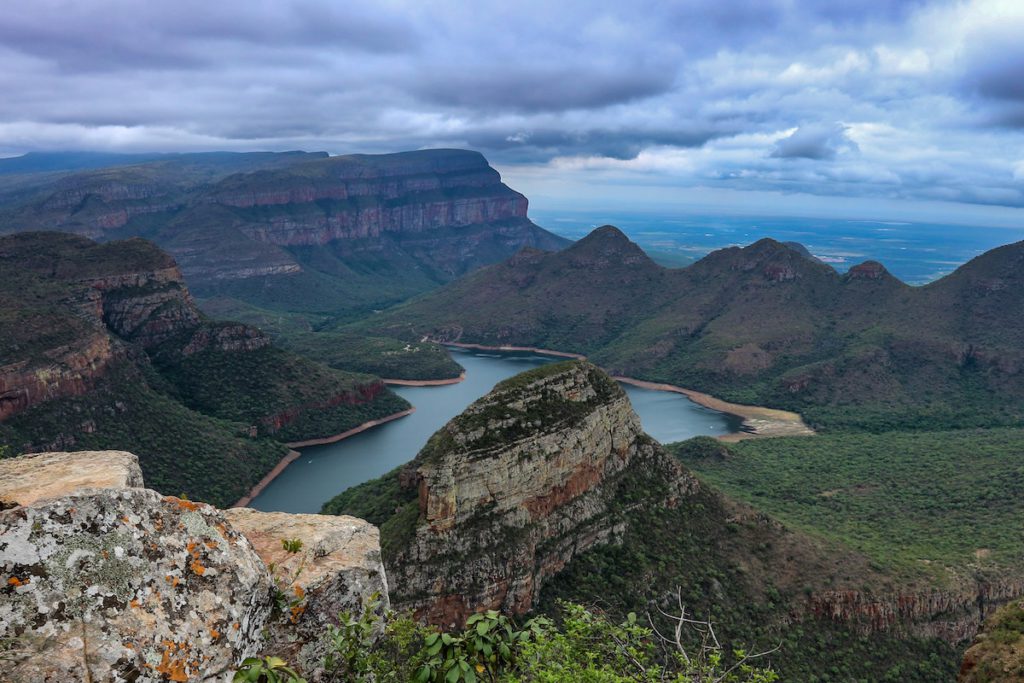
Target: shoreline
pixel 758 421
pixel 256 490
pixel 426 382
pixel 294 455
pixel 761 421
pixel 530 349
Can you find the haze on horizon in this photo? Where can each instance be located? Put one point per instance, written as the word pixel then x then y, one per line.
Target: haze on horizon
pixel 891 109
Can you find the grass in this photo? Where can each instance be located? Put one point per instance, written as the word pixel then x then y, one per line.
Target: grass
pixel 919 503
pixel 379 356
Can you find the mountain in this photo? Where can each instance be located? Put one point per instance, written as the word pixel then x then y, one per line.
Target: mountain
pixel 294 232
pixel 102 346
pixel 759 324
pixel 548 489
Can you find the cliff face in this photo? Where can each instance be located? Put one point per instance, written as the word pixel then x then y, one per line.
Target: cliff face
pixel 515 487
pixel 105 580
pixel 953 615
pixel 362 197
pixel 71 306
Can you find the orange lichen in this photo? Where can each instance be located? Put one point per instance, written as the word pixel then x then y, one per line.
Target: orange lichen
pixel 15 581
pixel 183 504
pixel 173 667
pixel 133 603
pixel 214 633
pixel 236 626
pixel 299 592
pixel 297 613
pixel 198 567
pixel 211 544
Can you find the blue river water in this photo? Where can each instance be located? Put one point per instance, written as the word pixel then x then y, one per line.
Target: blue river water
pixel 325 471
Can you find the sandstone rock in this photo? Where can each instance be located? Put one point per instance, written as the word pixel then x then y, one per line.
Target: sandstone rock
pixel 127 585
pixel 511 490
pixel 31 478
pixel 338 569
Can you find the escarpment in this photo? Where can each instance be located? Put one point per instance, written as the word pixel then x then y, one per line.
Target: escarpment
pixel 104 580
pixel 301 231
pixel 103 347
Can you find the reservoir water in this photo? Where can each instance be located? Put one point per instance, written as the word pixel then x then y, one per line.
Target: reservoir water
pixel 325 471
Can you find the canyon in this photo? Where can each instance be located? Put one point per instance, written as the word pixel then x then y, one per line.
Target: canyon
pixel 103 342
pixel 548 489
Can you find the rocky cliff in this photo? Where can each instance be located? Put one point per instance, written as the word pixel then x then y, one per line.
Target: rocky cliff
pixel 511 490
pixel 103 346
pixel 952 614
pixel 104 580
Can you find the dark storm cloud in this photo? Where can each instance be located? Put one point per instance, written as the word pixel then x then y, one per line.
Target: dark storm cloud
pixel 814 142
pixel 889 98
pixel 994 66
pixel 544 88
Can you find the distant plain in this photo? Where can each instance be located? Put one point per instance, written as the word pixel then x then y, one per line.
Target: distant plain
pixel 916 253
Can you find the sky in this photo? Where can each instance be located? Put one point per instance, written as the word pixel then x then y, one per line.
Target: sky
pixel 887 109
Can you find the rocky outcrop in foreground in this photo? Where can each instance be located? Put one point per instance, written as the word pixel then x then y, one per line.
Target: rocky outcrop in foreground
pixel 103 580
pixel 516 486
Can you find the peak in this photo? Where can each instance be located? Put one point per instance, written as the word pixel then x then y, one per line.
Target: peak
pixel 869 270
pixel 535 402
pixel 802 250
pixel 608 243
pixel 776 261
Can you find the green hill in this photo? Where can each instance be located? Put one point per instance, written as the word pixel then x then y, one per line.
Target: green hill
pixel 762 324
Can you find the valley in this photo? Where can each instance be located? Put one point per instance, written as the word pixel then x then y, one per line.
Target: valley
pixel 527 420
pixel 322 472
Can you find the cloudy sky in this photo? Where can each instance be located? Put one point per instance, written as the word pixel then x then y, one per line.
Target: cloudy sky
pixel 888 108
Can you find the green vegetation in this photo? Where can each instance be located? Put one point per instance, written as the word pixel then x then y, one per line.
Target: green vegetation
pixel 584 645
pixel 997 655
pixel 285 395
pixel 761 325
pixel 180 450
pixel 919 503
pixel 380 356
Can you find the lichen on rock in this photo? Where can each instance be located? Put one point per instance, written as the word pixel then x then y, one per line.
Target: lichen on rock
pixel 103 580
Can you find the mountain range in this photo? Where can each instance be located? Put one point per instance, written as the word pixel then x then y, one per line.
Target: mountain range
pixel 766 324
pixel 263 235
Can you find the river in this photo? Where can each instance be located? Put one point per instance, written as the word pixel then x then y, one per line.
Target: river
pixel 325 471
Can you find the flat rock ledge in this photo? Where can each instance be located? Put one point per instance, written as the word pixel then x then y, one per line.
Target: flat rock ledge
pixel 104 580
pixel 37 476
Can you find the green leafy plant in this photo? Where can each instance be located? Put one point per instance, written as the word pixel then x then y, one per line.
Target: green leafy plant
pixel 487 649
pixel 289 596
pixel 266 670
